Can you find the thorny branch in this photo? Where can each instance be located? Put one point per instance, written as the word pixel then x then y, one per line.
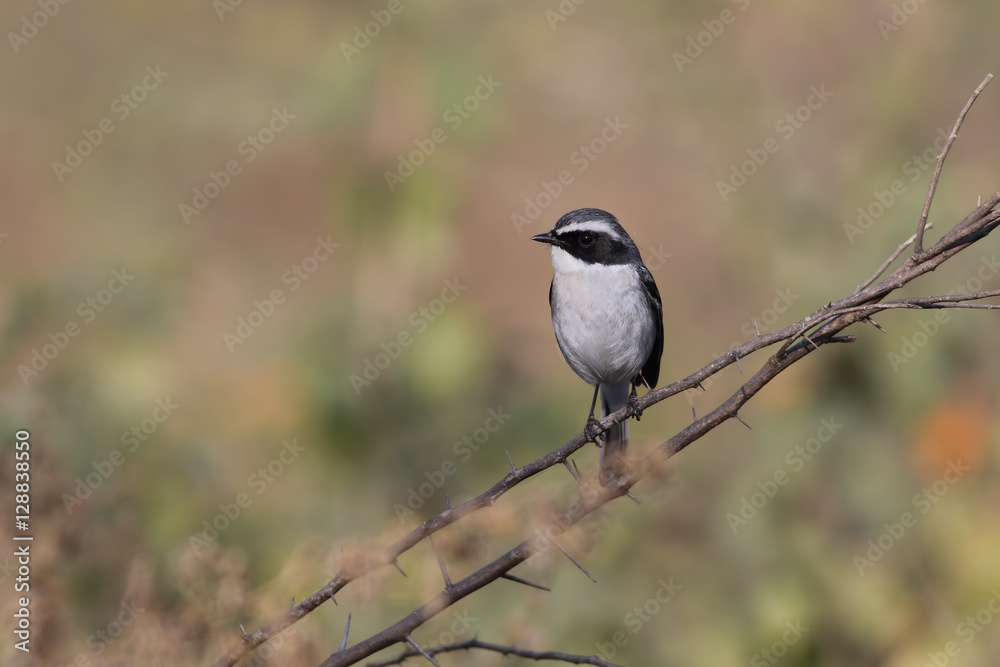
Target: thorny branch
pixel 817 329
pixel 496 648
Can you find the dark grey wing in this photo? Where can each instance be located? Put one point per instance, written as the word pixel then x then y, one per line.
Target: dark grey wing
pixel 650 372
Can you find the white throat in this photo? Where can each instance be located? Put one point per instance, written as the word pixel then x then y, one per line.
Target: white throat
pixel 563 262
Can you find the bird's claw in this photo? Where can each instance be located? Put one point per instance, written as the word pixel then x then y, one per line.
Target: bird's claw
pixel 592 430
pixel 632 409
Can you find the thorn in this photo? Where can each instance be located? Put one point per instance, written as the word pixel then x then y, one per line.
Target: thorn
pixel 334 601
pixel 396 563
pixel 979 201
pixel 511 577
pixel 694 415
pixel 575 473
pixel 577 469
pixel 447 502
pixel 756 328
pixel 811 341
pixel 874 324
pixel 738 365
pixel 421 651
pixel 634 499
pixel 244 631
pixel 444 569
pixel 513 468
pixel 293 603
pixel 702 387
pixel 737 415
pixel 575 561
pixel 347 628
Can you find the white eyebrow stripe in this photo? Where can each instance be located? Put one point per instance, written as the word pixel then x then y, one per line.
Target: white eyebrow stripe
pixel 596 226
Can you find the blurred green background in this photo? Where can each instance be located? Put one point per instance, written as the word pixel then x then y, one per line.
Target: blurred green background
pixel 213 154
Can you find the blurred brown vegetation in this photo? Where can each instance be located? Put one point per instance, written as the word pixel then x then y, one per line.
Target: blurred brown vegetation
pixel 323 176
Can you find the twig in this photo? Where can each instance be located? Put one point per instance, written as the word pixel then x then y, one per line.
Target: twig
pixel 918 243
pixel 469 644
pixel 887 263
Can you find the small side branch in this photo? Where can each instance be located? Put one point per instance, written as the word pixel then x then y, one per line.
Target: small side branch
pixel 887 263
pixel 918 243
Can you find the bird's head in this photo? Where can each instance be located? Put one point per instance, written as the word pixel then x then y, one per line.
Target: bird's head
pixel 589 236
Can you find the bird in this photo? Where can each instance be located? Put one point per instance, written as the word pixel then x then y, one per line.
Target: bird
pixel 608 320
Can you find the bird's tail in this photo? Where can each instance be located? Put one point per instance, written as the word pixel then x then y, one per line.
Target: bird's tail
pixel 614 455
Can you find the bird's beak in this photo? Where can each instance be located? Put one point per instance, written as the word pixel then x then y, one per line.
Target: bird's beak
pixel 545 238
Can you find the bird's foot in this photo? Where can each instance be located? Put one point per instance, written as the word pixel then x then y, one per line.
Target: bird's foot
pixel 592 430
pixel 632 409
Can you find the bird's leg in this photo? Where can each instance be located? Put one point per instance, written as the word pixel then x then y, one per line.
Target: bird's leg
pixel 633 409
pixel 590 431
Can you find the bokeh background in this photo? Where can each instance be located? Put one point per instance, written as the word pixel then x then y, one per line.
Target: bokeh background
pixel 309 117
